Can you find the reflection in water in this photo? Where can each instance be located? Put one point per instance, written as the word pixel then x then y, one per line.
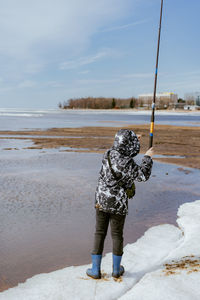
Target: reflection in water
pixel 47 212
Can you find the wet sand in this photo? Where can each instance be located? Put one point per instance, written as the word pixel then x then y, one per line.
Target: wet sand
pixel 172 144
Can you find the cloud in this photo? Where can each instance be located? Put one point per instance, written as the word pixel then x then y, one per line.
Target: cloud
pixel 125 26
pixel 73 64
pixel 27 84
pixel 35 27
pixel 6 89
pixel 186 80
pixel 84 72
pixel 55 84
pixel 33 68
pixel 98 81
pixel 188 74
pixel 138 75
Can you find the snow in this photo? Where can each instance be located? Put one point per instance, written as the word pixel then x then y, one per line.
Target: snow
pixel 163 264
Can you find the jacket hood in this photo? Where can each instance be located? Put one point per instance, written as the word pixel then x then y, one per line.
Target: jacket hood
pixel 126 142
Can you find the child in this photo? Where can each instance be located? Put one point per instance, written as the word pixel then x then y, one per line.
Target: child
pixel 115 187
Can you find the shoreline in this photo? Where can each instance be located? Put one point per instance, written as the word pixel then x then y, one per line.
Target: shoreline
pixel 172 144
pixel 133 110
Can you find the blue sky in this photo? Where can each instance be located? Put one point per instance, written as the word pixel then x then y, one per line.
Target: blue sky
pixel 55 50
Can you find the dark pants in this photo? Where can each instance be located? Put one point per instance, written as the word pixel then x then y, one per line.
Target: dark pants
pixel 116 224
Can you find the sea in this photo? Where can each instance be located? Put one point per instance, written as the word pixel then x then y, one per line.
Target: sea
pixel 27 119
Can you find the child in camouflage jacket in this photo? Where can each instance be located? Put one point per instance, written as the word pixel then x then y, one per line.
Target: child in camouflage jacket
pixel 117 175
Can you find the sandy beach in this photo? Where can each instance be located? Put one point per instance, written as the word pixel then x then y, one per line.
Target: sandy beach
pixel 172 144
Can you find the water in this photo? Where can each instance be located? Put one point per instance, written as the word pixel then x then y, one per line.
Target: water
pixel 47 208
pixel 13 119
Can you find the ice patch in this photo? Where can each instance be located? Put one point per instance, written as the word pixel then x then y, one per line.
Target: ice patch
pixel 20 115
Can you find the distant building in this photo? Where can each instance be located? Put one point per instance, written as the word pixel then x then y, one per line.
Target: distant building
pixel 197 99
pixel 192 101
pixel 190 107
pixel 163 100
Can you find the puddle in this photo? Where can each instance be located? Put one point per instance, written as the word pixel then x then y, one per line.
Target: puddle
pixel 27 136
pixel 27 147
pixel 185 171
pixel 9 144
pixel 169 156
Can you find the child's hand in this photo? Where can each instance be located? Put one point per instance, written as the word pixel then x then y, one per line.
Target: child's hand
pixel 150 152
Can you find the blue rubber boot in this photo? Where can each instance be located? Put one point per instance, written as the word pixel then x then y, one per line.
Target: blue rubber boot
pixel 118 270
pixel 95 271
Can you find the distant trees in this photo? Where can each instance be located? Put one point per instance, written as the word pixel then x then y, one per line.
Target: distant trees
pixel 166 101
pixel 63 105
pixel 180 100
pixel 190 99
pixel 98 103
pixel 122 103
pixel 113 103
pixel 132 102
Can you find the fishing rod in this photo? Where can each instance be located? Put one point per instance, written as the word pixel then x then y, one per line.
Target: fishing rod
pixel 155 82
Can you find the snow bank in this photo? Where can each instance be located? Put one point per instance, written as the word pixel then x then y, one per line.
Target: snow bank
pixel 162 264
pixel 178 276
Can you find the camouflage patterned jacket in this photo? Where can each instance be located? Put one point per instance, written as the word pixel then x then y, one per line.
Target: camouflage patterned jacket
pixel 110 196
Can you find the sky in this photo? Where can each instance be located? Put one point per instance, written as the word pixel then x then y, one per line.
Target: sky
pixel 51 51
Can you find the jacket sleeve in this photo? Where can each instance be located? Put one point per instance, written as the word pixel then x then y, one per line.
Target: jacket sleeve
pixel 129 171
pixel 143 172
